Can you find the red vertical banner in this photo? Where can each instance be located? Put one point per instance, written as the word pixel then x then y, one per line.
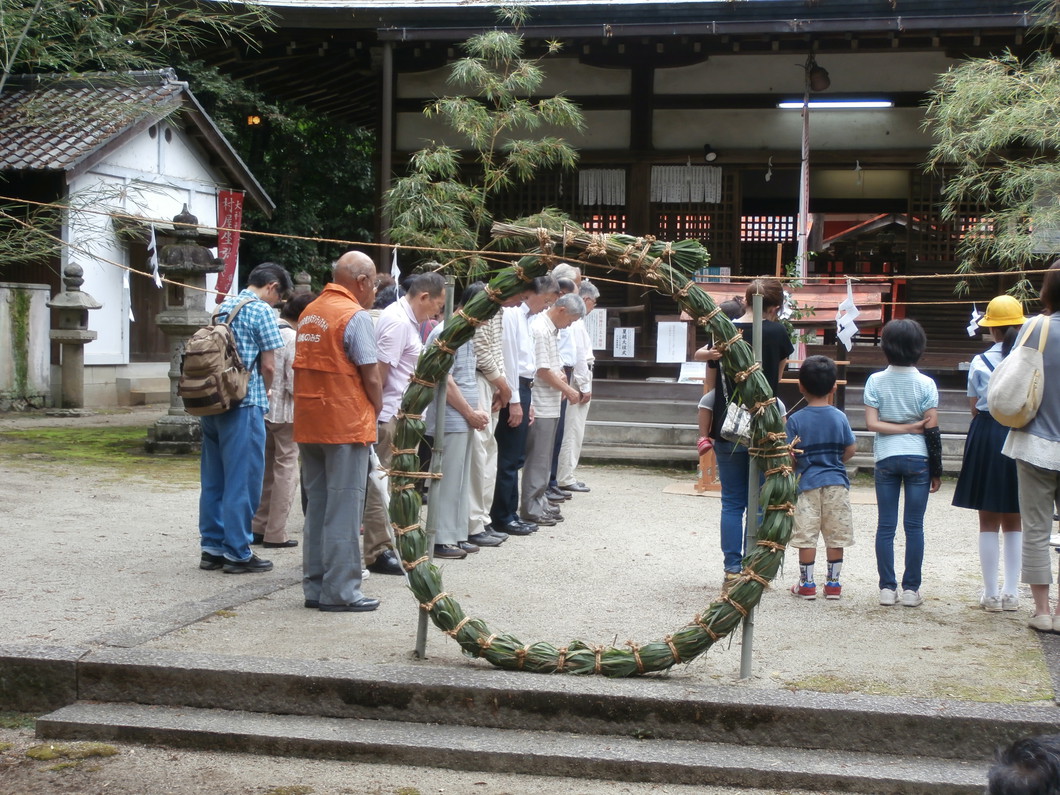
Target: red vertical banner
pixel 229 222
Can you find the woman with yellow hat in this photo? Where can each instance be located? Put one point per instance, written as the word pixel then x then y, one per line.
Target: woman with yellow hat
pixel 988 482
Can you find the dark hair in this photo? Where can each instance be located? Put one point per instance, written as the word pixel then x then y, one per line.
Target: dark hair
pixel 430 282
pixel 733 308
pixel 1050 293
pixel 1011 333
pixel 544 284
pixel 817 375
pixel 1030 766
pixel 268 272
pixel 471 291
pixel 771 290
pixel 903 342
pixel 566 285
pixel 296 304
pixel 385 297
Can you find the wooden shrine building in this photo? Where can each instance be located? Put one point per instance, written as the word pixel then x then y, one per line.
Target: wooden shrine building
pixel 685 135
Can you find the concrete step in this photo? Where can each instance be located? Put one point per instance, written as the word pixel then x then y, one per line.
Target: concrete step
pixel 554 753
pixel 142 390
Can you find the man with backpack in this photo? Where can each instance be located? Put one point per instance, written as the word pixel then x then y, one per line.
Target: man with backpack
pixel 233 442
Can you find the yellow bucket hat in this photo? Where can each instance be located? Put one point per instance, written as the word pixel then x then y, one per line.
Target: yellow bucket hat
pixel 1003 311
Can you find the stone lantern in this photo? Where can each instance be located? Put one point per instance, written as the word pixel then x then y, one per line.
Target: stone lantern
pixel 185 265
pixel 72 333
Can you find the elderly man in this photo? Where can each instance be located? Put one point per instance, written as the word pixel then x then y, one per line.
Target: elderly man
pixel 574 431
pixel 337 397
pixel 550 387
pixel 494 392
pixel 398 346
pixel 232 465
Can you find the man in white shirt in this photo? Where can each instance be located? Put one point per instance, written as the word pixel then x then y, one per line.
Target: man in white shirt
pixel 574 429
pixel 398 343
pixel 550 388
pixel 514 420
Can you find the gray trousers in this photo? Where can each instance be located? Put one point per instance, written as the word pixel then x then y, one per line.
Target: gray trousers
pixel 1039 494
pixel 335 477
pixel 538 467
pixel 450 496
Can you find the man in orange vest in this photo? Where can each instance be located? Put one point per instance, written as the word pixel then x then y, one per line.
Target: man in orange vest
pixel 337 397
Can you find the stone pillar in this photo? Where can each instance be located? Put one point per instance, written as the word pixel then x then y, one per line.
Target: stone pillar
pixel 71 331
pixel 303 283
pixel 184 264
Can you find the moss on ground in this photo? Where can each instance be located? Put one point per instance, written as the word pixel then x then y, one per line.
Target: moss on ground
pixel 118 451
pixel 49 751
pixel 17 720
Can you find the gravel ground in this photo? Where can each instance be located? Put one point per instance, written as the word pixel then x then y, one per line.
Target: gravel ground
pixel 91 552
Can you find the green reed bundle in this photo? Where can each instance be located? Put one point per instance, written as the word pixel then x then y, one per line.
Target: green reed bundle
pixel 666 266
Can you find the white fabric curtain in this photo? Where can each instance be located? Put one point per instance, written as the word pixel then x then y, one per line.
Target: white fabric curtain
pixel 602 186
pixel 686 184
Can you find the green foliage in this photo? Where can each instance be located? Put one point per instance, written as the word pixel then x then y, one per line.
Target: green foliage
pixel 317 171
pixel 996 122
pixel 442 206
pixel 65 36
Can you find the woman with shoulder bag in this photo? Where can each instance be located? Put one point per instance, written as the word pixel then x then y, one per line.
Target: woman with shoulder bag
pixel 1036 448
pixel 734 460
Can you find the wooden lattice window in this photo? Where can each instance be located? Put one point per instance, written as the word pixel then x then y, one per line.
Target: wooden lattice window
pixel 714 225
pixel 767 228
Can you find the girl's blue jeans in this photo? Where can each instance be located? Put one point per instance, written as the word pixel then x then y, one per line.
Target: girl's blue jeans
pixel 734 464
pixel 910 471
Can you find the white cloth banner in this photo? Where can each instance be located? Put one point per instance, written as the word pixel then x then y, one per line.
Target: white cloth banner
pixel 681 184
pixel 602 186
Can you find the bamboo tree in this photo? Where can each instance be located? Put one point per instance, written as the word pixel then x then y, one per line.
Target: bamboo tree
pixel 443 203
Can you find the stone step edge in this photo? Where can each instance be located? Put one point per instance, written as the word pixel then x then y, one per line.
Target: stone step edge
pixel 477 695
pixel 513 751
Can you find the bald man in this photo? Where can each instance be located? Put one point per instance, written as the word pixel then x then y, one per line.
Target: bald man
pixel 337 398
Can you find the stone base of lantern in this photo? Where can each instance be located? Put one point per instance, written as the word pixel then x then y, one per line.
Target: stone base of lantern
pixel 175 435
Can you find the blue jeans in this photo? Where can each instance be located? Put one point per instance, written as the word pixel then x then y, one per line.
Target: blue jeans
pixel 734 465
pixel 891 474
pixel 231 470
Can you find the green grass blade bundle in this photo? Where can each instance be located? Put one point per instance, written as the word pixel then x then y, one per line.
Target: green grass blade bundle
pixel 668 268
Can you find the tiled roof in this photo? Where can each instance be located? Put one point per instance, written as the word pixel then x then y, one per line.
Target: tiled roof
pixel 51 124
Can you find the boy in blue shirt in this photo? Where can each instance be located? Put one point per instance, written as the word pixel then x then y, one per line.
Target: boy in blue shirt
pixel 824 442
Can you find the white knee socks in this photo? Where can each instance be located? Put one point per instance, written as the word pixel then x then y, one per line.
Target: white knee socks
pixel 1013 561
pixel 989 556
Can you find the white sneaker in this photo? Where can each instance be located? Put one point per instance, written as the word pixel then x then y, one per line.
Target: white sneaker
pixel 991 604
pixel 1010 601
pixel 912 599
pixel 364 574
pixel 888 596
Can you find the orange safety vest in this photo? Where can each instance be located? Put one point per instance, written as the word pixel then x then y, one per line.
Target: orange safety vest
pixel 330 404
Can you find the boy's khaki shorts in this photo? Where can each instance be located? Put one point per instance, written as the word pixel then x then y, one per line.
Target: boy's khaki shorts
pixel 826 512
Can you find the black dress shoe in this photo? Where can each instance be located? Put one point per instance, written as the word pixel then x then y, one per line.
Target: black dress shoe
pixel 542 521
pixel 493 531
pixel 257 539
pixel 485 539
pixel 290 542
pixel 312 604
pixel 468 546
pixel 210 562
pixel 579 486
pixel 252 565
pixel 363 605
pixel 556 495
pixel 516 529
pixel 529 525
pixel 449 552
pixel 386 563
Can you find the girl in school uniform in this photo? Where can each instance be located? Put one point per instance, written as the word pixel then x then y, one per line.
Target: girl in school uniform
pixel 988 482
